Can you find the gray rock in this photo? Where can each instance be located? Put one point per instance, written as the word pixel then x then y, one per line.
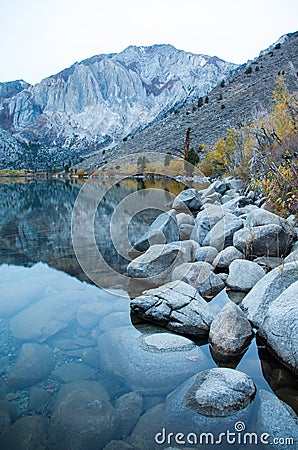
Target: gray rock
pixel 239 201
pixel 158 262
pixel 83 418
pixel 221 235
pixel 207 254
pixel 11 408
pixel 230 331
pixel 217 187
pixel 129 406
pixel 269 240
pixel 4 389
pixel 166 225
pixel 46 317
pixel 33 364
pixel 205 220
pixel 118 445
pixel 187 199
pixel 259 217
pixel 73 372
pixel 183 218
pixel 211 199
pixel 292 220
pixel 142 359
pixel 277 419
pixel 177 306
pixel 226 257
pixel 256 303
pixel 37 397
pixel 189 248
pixel 243 275
pixel 280 327
pixel 181 411
pixel 199 275
pixel 233 183
pixel 292 257
pixel 27 433
pixel 5 421
pixel 185 231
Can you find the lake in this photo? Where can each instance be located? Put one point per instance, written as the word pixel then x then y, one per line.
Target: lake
pixel 76 367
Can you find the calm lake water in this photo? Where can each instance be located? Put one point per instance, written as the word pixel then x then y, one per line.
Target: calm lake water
pixel 73 362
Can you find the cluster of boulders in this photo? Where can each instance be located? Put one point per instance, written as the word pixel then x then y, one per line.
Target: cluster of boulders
pixel 226 240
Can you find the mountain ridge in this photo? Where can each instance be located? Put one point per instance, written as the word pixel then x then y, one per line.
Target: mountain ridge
pixel 246 94
pixel 97 102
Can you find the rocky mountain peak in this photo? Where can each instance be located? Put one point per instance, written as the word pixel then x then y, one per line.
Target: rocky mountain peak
pixel 99 101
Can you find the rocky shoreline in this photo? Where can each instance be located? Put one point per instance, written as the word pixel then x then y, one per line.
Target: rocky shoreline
pixel 220 238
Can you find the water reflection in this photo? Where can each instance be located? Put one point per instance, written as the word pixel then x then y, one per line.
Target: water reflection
pixel 35 223
pixel 281 380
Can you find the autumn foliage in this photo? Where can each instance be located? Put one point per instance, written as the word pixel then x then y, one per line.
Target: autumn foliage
pixel 264 154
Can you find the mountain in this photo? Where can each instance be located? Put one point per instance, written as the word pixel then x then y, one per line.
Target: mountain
pixel 96 103
pixel 246 94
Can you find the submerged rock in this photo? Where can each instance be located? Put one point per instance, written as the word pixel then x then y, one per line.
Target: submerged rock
pixel 27 433
pixel 177 306
pixel 33 364
pixel 83 417
pixel 209 402
pixel 73 371
pixel 48 316
pixel 143 359
pixel 276 419
pixel 230 331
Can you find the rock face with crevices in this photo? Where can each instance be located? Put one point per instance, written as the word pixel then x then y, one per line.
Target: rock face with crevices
pixel 199 275
pixel 177 306
pixel 279 329
pixel 256 303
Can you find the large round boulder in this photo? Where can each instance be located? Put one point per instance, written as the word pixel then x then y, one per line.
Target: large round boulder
pixel 153 363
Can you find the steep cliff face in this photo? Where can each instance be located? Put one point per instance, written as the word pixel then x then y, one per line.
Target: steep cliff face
pixel 99 101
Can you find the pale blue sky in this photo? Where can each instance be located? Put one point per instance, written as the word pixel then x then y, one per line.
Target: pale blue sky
pixel 42 37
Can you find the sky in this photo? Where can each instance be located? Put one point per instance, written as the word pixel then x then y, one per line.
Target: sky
pixel 41 37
